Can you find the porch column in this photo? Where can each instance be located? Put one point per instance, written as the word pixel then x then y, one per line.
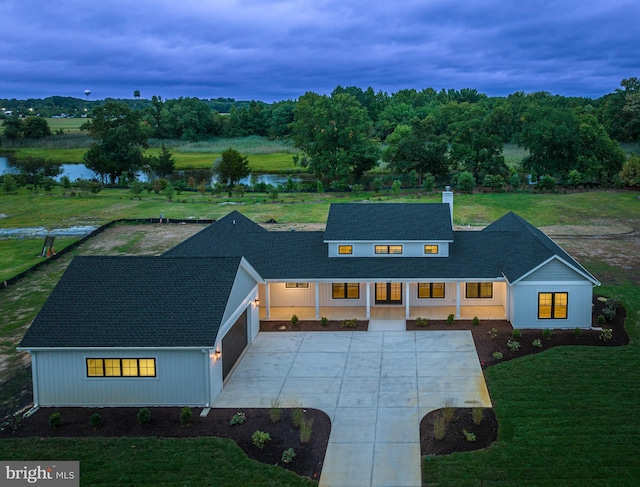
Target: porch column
pixel 406 298
pixel 267 299
pixel 457 299
pixel 316 285
pixel 367 295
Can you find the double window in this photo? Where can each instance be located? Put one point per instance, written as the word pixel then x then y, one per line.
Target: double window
pixel 479 290
pixel 388 249
pixel 121 367
pixel 552 306
pixel 296 285
pixel 345 290
pixel 345 249
pixel 428 290
pixel 430 249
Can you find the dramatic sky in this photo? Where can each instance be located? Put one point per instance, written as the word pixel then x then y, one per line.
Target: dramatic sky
pixel 278 49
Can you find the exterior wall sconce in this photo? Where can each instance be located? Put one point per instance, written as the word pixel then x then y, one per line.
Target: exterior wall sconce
pixel 217 355
pixel 257 301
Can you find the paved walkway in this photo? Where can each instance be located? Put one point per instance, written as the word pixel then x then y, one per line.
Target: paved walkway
pixel 375 386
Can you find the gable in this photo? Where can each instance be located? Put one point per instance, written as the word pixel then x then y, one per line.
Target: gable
pixel 554 271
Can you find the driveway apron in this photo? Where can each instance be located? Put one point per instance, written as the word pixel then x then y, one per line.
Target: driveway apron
pixel 375 386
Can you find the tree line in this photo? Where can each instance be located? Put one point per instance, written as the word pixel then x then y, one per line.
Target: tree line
pixel 425 134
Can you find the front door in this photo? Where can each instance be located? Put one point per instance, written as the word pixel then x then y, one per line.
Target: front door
pixel 388 293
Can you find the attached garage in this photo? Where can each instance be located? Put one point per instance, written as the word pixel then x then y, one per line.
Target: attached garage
pixel 234 343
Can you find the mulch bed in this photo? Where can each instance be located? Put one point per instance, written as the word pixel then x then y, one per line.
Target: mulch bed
pixel 165 422
pixel 312 325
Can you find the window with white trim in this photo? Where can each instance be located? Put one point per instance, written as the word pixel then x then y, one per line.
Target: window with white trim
pixel 553 306
pixel 121 367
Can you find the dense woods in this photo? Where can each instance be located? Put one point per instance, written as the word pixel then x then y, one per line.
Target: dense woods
pixel 423 134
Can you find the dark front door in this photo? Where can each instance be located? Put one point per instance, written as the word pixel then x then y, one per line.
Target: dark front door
pixel 388 293
pixel 233 343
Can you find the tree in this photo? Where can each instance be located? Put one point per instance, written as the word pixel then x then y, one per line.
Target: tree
pixel 162 165
pixel 9 183
pixel 630 173
pixel 335 135
pixel 34 170
pixel 13 128
pixel 35 128
pixel 231 167
pixel 120 140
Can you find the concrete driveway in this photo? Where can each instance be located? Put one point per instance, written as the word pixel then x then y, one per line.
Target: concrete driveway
pixel 375 386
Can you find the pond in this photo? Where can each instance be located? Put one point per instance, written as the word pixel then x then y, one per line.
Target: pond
pixel 80 171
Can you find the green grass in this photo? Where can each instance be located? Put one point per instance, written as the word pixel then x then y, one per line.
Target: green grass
pixel 154 461
pixel 69 125
pixel 17 256
pixel 513 154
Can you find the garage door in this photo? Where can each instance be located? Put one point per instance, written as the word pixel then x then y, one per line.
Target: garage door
pixel 233 343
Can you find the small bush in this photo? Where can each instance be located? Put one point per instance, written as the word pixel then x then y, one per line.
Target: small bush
pixel 493 333
pixel 517 334
pixel 476 415
pixel 537 343
pixel 306 428
pixel 475 321
pixel 297 415
pixel 352 323
pixel 513 345
pixel 55 421
pixel 468 435
pixel 601 320
pixel 611 309
pixel 294 320
pixel 451 319
pixel 95 420
pixel 186 416
pixel 606 334
pixel 497 355
pixel 238 418
pixel 260 438
pixel 547 334
pixel 288 455
pixel 439 427
pixel 422 321
pixel 577 333
pixel 144 416
pixel 275 412
pixel 448 410
pixel 324 321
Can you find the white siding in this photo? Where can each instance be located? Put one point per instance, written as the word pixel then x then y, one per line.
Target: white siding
pixel 524 305
pixel 498 299
pixel 280 295
pixel 181 379
pixel 243 290
pixel 409 249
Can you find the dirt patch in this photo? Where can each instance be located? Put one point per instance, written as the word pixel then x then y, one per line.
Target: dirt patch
pixel 311 325
pixel 165 422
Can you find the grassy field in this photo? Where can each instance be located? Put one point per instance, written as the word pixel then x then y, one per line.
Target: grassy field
pixel 567 416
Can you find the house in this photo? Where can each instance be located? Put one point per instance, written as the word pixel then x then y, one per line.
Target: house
pixel 168 330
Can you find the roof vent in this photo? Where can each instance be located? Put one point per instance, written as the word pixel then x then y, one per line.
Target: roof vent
pixel 234 222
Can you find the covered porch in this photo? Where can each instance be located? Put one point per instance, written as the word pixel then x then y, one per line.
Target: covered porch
pixel 284 313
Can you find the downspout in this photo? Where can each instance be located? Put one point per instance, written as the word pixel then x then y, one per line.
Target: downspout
pixel 207 362
pixel 316 286
pixel 34 377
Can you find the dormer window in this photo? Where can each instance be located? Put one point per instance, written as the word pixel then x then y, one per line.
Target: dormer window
pixel 345 249
pixel 388 249
pixel 430 249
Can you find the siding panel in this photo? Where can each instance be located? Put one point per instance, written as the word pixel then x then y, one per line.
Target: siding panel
pixel 554 271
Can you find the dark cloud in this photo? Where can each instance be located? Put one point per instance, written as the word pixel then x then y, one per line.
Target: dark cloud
pixel 252 49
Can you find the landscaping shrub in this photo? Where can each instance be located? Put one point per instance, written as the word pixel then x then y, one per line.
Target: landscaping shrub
pixel 451 319
pixel 288 455
pixel 466 182
pixel 55 421
pixel 493 333
pixel 610 310
pixel 513 345
pixel 439 426
pixel 275 411
pixel 448 410
pixel 476 415
pixel 422 321
pixel 306 428
pixel 297 415
pixel 260 438
pixel 475 321
pixel 468 435
pixel 517 334
pixel 577 333
pixel 601 320
pixel 144 416
pixel 186 416
pixel 606 334
pixel 352 323
pixel 95 420
pixel 537 343
pixel 497 355
pixel 324 321
pixel 547 334
pixel 294 320
pixel 238 418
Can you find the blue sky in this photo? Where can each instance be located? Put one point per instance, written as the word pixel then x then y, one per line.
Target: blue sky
pixel 278 49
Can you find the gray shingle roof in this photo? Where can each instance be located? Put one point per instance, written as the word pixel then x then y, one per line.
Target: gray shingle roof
pixel 135 302
pixel 389 221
